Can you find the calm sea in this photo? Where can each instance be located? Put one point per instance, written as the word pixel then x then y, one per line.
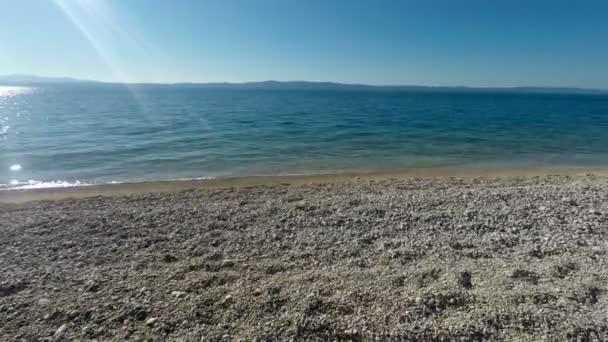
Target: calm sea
pixel 86 134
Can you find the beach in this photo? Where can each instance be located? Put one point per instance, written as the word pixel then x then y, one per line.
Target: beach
pixel 489 255
pixel 303 171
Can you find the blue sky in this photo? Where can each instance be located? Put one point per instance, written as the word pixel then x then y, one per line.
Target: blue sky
pixel 426 42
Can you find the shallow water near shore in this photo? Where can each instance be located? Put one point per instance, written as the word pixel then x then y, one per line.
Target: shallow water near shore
pixel 60 135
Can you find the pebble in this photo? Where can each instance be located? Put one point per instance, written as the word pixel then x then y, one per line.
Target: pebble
pixel 350 332
pixel 151 321
pixel 464 280
pixel 169 258
pixel 59 333
pixel 227 299
pixel 227 263
pixel 568 200
pixel 91 286
pixel 73 314
pixel 178 294
pixel 44 301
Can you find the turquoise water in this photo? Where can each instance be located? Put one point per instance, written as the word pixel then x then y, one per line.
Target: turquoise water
pixel 62 134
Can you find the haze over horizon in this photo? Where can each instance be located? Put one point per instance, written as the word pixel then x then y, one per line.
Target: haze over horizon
pixel 28 80
pixel 471 43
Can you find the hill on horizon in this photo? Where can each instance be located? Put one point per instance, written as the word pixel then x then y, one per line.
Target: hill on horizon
pixel 20 79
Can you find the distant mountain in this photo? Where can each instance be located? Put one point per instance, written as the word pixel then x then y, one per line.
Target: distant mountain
pixel 557 90
pixel 311 86
pixel 307 85
pixel 278 85
pixel 32 79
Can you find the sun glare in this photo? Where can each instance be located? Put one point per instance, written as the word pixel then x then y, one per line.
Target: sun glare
pixel 101 26
pixel 13 91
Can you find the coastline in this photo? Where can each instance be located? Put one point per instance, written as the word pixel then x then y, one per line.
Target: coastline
pixel 8 196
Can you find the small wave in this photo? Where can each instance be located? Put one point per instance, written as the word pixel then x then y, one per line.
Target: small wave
pixel 34 184
pixel 191 179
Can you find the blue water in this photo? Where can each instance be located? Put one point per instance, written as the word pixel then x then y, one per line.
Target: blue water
pixel 61 135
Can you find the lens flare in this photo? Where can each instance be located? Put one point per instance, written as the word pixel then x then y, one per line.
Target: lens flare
pixel 107 35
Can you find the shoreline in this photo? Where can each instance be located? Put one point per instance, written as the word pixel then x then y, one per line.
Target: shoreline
pixel 9 196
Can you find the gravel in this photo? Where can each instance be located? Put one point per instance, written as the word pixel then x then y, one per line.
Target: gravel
pixel 496 258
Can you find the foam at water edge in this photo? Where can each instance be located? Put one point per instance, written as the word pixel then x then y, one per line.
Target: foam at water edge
pixel 34 184
pixel 190 179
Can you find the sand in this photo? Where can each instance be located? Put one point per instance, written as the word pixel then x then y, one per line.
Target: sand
pixel 484 256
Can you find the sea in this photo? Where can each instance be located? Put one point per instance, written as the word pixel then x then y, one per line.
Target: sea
pixel 60 135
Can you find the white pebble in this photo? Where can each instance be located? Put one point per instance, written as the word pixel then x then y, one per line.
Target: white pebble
pixel 151 321
pixel 178 294
pixel 60 332
pixel 44 301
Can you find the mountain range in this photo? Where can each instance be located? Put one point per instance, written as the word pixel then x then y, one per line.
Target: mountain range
pixel 21 80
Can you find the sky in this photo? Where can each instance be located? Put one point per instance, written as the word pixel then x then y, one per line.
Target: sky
pixel 405 42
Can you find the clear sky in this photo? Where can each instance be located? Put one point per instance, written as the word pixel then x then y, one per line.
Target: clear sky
pixel 426 42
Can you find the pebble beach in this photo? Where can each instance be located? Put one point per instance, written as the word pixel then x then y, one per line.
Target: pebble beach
pixel 496 258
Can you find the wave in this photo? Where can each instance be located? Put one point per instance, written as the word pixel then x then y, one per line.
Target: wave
pixel 34 184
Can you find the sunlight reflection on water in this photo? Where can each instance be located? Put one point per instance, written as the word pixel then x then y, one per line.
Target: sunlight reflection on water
pixel 13 91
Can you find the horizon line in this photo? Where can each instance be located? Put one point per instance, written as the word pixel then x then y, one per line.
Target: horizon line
pixel 68 79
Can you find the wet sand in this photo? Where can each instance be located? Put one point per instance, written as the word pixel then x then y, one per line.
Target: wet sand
pixel 504 256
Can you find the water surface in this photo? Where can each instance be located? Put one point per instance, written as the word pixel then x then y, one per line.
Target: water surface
pixel 85 134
